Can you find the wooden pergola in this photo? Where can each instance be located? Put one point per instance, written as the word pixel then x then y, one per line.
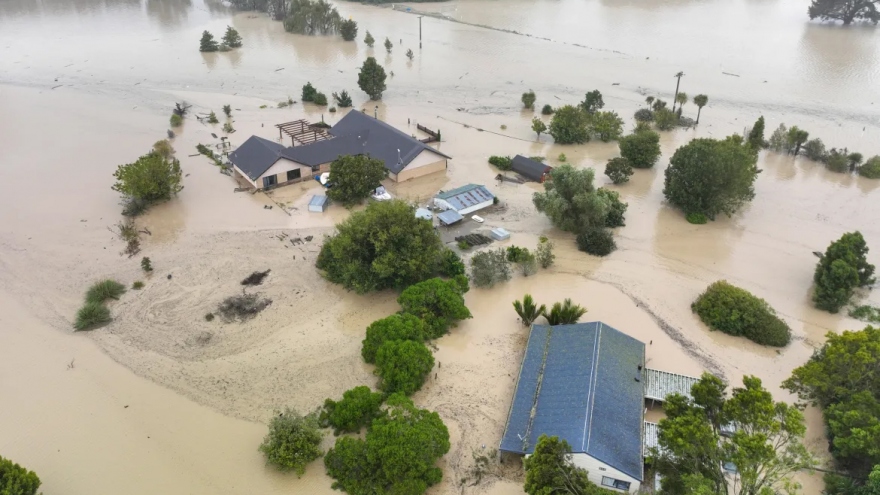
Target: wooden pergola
pixel 302 132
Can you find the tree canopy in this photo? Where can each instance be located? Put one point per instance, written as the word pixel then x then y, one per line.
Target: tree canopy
pixel 592 102
pixel 311 17
pixel 397 456
pixel 371 78
pixel 490 267
pixel 358 408
pixel 572 202
pixel 569 126
pixel 843 268
pixel 385 246
pixel 736 311
pixel 845 10
pixel 528 99
pixel 293 441
pixel 355 177
pixel 607 126
pixel 709 176
pixel 549 471
pixel 640 149
pixel 437 302
pixel 348 29
pixel 232 39
pixel 150 178
pixel 403 366
pixel 765 448
pixel 17 480
pixel 401 326
pixel 618 170
pixel 756 134
pixel 207 43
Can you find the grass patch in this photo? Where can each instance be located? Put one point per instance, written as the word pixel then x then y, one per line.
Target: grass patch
pixel 736 311
pixel 242 307
pixel 866 313
pixel 104 290
pixel 91 315
pixel 137 285
pixel 696 218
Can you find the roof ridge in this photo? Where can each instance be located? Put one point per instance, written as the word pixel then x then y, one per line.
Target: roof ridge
pixel 591 399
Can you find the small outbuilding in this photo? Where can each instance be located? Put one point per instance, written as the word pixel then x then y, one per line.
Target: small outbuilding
pixel 424 214
pixel 500 234
pixel 530 169
pixel 318 203
pixel 465 199
pixel 449 217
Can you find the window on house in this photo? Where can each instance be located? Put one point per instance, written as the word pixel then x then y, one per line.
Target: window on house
pixel 613 483
pixel 270 180
pixel 293 174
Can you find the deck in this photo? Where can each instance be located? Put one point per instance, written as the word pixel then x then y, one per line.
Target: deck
pixel 659 384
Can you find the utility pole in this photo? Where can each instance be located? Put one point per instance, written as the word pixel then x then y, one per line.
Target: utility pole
pixel 420 31
pixel 676 89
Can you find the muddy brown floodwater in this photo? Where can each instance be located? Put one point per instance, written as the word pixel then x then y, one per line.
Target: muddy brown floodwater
pixel 161 401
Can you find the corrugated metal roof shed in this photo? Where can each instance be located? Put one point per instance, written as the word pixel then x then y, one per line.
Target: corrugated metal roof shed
pixel 582 383
pixel 529 168
pixel 318 203
pixel 659 384
pixel 500 234
pixel 449 217
pixel 466 196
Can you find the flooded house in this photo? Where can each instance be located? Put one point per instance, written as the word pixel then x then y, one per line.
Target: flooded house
pixel 265 164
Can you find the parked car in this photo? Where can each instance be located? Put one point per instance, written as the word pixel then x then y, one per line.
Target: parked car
pixel 380 194
pixel 477 219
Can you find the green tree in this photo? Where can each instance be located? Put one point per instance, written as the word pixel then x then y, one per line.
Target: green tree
pixel 369 40
pixel 796 138
pixel 756 134
pixel 569 126
pixel 358 408
pixel 607 126
pixel 778 141
pixel 437 302
pixel 371 78
pixel 293 441
pixel 735 311
pixel 845 10
pixel 843 267
pixel 681 99
pixel 618 170
pixel 388 45
pixel 232 39
pixel 616 207
pixel 814 149
pixel 348 29
pixel 678 77
pixel 641 149
pixel 547 110
pixel 700 101
pixel 309 92
pixel 355 177
pixel 527 310
pixel 597 241
pixel 549 471
pixel 320 99
pixel 765 448
pixel 451 264
pixel 565 313
pixel 665 119
pixel 150 179
pixel 572 202
pixel 709 176
pixel 401 326
pixel 871 168
pixel 17 480
pixel 227 109
pixel 528 99
pixel 208 43
pixel 403 366
pixel 837 160
pixel 310 17
pixel 643 115
pixel 397 456
pixel 544 253
pixel 343 100
pixel 490 267
pixel 592 102
pixel 382 247
pixel 538 126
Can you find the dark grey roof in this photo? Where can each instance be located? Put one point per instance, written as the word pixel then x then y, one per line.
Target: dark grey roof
pixel 319 152
pixel 529 168
pixel 382 140
pixel 255 156
pixel 581 381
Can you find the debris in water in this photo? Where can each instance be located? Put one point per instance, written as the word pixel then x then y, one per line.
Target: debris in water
pixel 729 74
pixel 255 278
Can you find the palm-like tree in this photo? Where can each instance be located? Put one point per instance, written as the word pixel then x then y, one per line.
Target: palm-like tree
pixel 649 100
pixel 565 313
pixel 527 310
pixel 675 98
pixel 681 99
pixel 700 101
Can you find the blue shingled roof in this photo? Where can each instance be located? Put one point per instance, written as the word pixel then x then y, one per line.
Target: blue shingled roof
pixel 578 382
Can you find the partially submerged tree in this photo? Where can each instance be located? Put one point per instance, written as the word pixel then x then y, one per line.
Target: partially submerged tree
pixel 796 138
pixel 17 480
pixel 293 441
pixel 311 17
pixel 369 40
pixel 572 202
pixel 382 247
pixel 842 269
pixel 388 45
pixel 227 109
pixel 355 177
pixel 607 126
pixel 402 366
pixel 348 29
pixel 756 135
pixel 538 126
pixel 681 99
pixel 527 310
pixel 528 99
pixel 151 178
pixel 308 92
pixel 371 78
pixel 665 119
pixel 358 408
pixel 569 126
pixel 871 168
pixel 592 102
pixel 641 149
pixel 231 38
pixel 765 448
pixel 565 313
pixel 709 176
pixel 400 326
pixel 618 170
pixel 490 267
pixel 437 302
pixel 700 101
pixel 845 10
pixel 208 43
pixel 343 100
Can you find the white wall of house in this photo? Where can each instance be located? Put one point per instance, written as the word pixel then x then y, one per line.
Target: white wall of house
pixel 426 162
pixel 280 169
pixel 244 176
pixel 597 469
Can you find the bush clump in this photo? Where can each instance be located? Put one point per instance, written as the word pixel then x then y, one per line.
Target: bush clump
pixel 242 307
pixel 293 441
pixel 403 366
pixel 696 218
pixel 91 315
pixel 843 267
pixel 547 110
pixel 395 327
pixel 502 162
pixel 736 311
pixel 596 241
pixel 102 291
pixel 618 170
pixel 490 267
pixel 640 149
pixel 871 168
pixel 358 408
pixel 437 302
pixel 17 480
pixel 137 285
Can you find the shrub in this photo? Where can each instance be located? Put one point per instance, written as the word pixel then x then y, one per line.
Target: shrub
pixel 871 168
pixel 544 253
pixel 348 29
pixel 382 247
pixel 618 170
pixel 320 99
pixel 409 54
pixel 176 120
pixel 837 161
pixel 451 264
pixel 562 158
pixel 736 311
pixel 644 115
pixel 866 313
pixel 529 264
pixel 17 480
pixel 490 267
pixel 358 408
pixel 227 109
pixel 843 268
pixel 164 148
pixel 516 254
pixel 814 149
pixel 388 45
pixel 463 245
pixel 146 264
pixel 394 327
pixel 437 302
pixel 569 126
pixel 138 285
pixel 528 99
pixel 696 218
pixel 596 241
pixel 309 92
pixel 607 126
pixel 665 119
pixel 104 290
pixel 403 366
pixel 565 313
pixel 502 162
pixel 212 118
pixel 342 99
pixel 369 40
pixel 242 307
pixel 151 178
pixel 547 110
pixel 227 128
pixel 528 310
pixel 641 149
pixel 616 208
pixel 91 315
pixel 293 441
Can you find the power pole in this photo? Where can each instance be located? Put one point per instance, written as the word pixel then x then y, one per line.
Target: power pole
pixel 676 89
pixel 420 32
